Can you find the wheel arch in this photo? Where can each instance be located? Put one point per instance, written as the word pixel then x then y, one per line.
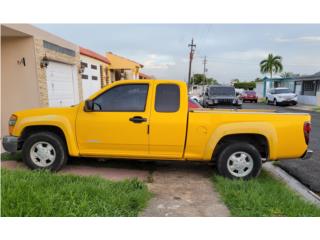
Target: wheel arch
pixel 260 142
pixel 31 129
pixel 258 134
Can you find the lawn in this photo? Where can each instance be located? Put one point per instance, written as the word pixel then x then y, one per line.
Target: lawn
pixel 263 196
pixel 41 193
pixel 11 156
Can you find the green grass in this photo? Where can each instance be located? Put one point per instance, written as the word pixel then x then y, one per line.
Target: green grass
pixel 263 196
pixel 41 193
pixel 316 109
pixel 6 156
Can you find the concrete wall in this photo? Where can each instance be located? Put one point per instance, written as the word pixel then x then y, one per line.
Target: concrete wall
pixel 19 86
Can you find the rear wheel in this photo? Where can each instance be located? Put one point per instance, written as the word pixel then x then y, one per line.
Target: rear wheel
pixel 239 161
pixel 44 150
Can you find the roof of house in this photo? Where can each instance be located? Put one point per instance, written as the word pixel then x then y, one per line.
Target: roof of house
pixel 119 62
pixel 145 75
pixel 92 54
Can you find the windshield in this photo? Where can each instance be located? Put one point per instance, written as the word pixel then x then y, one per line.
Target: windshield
pixel 227 91
pixel 285 90
pixel 250 92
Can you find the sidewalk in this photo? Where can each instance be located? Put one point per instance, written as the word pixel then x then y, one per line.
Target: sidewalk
pixel 310 108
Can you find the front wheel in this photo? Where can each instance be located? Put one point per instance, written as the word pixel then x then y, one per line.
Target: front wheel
pixel 275 102
pixel 44 150
pixel 239 161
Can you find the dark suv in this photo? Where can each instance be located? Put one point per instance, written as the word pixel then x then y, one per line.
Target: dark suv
pixel 221 95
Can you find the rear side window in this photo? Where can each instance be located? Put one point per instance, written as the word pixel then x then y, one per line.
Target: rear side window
pixel 167 98
pixel 123 98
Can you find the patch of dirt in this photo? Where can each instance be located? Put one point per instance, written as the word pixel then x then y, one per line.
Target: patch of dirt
pixel 184 190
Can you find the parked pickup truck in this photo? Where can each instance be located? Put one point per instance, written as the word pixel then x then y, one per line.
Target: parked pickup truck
pixel 150 119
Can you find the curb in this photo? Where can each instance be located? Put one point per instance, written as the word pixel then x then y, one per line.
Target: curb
pixel 292 183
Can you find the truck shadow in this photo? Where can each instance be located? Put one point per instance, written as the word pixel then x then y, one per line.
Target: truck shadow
pixel 203 168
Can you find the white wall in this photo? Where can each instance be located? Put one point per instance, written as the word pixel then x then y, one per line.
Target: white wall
pixel 259 89
pixel 90 86
pixel 309 100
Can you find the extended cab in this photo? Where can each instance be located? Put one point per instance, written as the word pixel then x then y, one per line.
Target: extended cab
pixel 150 119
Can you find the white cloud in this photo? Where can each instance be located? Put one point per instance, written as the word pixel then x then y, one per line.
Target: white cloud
pixel 306 39
pixel 254 54
pixel 155 61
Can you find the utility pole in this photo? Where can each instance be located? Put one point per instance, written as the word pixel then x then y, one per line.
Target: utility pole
pixel 192 49
pixel 204 73
pixel 205 68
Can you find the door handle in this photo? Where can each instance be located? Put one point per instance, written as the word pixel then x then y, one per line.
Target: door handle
pixel 137 119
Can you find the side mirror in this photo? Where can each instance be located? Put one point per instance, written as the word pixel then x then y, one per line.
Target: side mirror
pixel 88 105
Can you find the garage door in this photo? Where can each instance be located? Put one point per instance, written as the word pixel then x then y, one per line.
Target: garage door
pixel 62 84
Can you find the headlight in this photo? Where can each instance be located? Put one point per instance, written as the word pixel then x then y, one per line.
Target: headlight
pixel 12 123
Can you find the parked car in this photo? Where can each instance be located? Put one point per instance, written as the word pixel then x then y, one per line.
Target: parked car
pixel 221 95
pixel 150 119
pixel 250 96
pixel 281 96
pixel 193 104
pixel 196 98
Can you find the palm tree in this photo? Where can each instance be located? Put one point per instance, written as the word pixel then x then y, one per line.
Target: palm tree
pixel 272 64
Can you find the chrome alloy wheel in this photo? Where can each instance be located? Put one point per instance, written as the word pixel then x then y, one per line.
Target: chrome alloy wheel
pixel 240 164
pixel 42 154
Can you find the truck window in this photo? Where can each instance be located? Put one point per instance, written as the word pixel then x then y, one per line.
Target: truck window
pixel 123 98
pixel 167 98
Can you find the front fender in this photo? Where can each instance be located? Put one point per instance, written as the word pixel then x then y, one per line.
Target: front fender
pixel 60 121
pixel 262 128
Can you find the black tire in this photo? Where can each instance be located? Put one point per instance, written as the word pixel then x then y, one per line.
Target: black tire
pixel 232 148
pixel 275 103
pixel 56 142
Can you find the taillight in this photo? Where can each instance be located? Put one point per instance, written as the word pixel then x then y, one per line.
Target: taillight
pixel 306 131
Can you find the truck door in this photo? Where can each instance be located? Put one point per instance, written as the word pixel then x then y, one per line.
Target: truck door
pixel 118 126
pixel 168 120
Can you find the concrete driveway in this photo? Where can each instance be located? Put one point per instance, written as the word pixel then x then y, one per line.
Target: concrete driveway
pixel 306 171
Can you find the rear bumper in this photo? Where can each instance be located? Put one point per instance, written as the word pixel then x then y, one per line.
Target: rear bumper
pixel 287 102
pixel 10 143
pixel 307 155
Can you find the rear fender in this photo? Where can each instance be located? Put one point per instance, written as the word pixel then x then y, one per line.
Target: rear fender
pixel 262 128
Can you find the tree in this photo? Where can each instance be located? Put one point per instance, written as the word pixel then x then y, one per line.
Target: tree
pixel 272 64
pixel 235 80
pixel 245 85
pixel 200 79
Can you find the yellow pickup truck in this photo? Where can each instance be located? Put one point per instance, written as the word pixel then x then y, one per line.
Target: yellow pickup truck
pixel 150 119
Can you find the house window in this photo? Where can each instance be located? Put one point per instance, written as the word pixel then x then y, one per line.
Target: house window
pixel 84 65
pixel 84 76
pixel 93 66
pixel 94 78
pixel 309 88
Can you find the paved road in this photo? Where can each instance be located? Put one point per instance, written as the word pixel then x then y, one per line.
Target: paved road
pixel 306 171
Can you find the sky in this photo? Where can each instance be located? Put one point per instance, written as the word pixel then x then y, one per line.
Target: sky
pixel 232 50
